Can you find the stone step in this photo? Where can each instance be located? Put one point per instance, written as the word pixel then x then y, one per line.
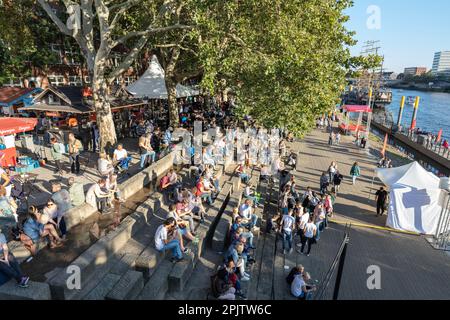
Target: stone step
pixel 35 291
pixel 220 237
pixel 128 287
pixel 103 287
pixel 157 286
pixel 100 252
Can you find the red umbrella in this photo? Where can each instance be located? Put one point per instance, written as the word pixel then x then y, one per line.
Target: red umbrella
pixel 10 126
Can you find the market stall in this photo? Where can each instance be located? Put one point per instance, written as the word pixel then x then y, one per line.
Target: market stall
pixel 348 127
pixel 9 127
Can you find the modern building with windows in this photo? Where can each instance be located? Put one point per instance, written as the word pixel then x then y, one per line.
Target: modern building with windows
pixel 441 63
pixel 415 71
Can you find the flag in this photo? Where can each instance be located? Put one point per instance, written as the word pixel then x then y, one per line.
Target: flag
pixel 383 151
pixel 439 136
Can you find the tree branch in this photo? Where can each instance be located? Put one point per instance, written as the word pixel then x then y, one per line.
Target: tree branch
pixel 62 27
pixel 147 32
pixel 183 76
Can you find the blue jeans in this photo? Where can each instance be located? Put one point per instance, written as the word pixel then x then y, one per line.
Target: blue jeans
pixel 13 270
pixel 252 223
pixel 249 237
pixel 144 156
pixel 174 246
pixel 244 177
pixel 287 240
pixel 318 225
pixel 208 197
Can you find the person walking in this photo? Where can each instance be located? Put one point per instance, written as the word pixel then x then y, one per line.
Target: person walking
pixel 324 183
pixel 338 138
pixel 337 180
pixel 75 147
pixel 381 198
pixel 309 234
pixel 332 170
pixel 355 172
pixel 287 228
pixel 57 151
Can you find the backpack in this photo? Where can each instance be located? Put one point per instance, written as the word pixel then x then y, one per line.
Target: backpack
pixel 291 275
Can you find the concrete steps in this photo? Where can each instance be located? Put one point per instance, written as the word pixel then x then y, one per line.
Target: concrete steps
pixel 128 287
pixel 163 277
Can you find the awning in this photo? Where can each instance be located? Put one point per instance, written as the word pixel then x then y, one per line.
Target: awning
pixel 10 126
pixel 56 108
pixel 357 108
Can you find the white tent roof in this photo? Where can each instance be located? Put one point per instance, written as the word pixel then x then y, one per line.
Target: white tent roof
pixel 152 84
pixel 411 175
pixel 415 198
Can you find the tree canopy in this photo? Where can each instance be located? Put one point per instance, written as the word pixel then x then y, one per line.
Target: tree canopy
pixel 286 61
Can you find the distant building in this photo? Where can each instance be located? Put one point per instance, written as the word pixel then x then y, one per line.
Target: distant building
pixel 415 71
pixel 441 63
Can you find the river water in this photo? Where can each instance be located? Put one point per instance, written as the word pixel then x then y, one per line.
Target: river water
pixel 433 113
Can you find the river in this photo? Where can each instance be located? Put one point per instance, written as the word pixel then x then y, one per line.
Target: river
pixel 433 113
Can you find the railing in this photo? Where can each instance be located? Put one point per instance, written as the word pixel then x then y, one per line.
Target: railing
pixel 429 145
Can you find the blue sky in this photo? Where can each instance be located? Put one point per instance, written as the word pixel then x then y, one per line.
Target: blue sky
pixel 411 30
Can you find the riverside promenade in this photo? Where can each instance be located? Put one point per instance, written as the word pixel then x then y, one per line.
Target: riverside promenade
pixel 410 267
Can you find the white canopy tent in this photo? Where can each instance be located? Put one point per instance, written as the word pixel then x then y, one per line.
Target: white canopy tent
pixel 415 199
pixel 152 84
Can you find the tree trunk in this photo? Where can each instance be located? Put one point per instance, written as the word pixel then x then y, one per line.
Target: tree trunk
pixel 105 121
pixel 171 87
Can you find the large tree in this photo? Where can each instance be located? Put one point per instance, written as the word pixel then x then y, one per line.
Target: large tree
pixel 103 25
pixel 25 35
pixel 289 59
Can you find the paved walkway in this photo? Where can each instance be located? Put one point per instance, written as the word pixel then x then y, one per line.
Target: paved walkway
pixel 410 267
pixel 355 203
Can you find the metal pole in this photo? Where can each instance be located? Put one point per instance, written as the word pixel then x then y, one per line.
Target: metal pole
pixel 416 106
pixel 400 113
pixel 340 269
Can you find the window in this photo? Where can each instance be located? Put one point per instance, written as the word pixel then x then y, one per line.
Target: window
pixel 87 79
pixel 71 57
pixel 51 99
pixel 14 82
pixel 74 81
pixel 56 80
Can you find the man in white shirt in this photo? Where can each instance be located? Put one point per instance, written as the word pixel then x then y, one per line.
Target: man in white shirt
pixel 300 289
pixel 309 234
pixel 287 227
pixel 165 242
pixel 120 153
pixel 246 212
